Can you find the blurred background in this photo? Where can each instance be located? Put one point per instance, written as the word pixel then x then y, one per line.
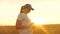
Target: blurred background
pixel 46 15
pixel 46 11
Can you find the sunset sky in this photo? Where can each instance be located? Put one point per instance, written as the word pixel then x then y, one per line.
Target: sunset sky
pixel 46 11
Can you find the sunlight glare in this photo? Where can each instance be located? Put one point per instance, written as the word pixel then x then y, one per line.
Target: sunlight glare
pixel 38 21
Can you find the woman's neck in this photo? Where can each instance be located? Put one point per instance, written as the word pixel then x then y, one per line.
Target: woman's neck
pixel 23 12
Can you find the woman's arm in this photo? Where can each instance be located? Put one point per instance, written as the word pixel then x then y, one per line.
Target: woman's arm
pixel 19 24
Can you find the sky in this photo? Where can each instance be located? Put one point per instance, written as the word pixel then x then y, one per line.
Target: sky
pixel 46 11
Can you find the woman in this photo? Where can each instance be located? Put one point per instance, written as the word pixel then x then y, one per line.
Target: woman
pixel 23 23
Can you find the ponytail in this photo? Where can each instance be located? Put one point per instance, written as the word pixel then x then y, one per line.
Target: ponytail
pixel 22 9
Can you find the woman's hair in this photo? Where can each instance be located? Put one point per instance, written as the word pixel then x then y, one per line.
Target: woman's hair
pixel 26 6
pixel 21 11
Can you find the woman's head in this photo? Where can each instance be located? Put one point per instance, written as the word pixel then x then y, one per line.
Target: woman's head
pixel 26 8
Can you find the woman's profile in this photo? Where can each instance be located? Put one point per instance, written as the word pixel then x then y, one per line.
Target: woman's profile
pixel 23 22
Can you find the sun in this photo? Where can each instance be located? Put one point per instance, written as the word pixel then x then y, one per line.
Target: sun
pixel 38 21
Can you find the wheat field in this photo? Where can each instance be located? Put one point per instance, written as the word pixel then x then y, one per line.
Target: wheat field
pixel 50 29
